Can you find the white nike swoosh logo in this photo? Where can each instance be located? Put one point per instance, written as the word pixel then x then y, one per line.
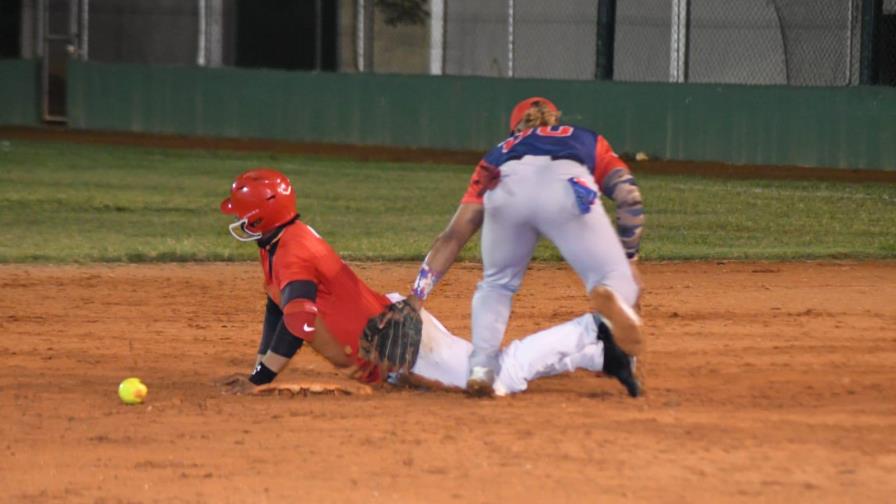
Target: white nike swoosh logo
pixel 308 328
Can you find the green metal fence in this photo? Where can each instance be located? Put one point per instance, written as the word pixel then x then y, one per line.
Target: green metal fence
pixel 19 92
pixel 830 127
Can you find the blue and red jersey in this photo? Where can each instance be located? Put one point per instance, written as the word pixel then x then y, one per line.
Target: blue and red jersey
pixel 559 142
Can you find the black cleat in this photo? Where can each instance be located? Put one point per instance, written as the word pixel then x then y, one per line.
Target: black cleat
pixel 616 362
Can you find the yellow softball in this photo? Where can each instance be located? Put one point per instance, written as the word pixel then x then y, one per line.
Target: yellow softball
pixel 132 391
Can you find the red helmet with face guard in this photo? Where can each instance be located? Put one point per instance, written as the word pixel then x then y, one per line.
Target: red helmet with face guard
pixel 261 199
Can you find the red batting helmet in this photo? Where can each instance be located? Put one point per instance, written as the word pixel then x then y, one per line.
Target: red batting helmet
pixel 261 199
pixel 519 111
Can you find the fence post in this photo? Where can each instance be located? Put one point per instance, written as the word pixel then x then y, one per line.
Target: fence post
pixel 437 37
pixel 510 37
pixel 368 35
pixel 678 47
pixel 214 33
pixel 84 29
pixel 40 47
pixel 318 34
pixel 606 38
pixel 872 10
pixel 201 36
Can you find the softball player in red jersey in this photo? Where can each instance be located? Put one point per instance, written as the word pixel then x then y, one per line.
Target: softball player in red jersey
pixel 544 180
pixel 314 297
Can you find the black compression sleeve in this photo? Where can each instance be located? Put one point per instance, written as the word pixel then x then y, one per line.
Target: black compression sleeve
pixel 285 343
pixel 298 289
pixel 282 342
pixel 273 319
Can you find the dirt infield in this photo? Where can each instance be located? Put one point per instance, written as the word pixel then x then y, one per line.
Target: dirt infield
pixel 766 381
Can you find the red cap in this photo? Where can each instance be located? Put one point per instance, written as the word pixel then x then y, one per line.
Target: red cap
pixel 519 111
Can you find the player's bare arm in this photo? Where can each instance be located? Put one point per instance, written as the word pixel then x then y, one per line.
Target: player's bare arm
pixel 466 221
pixel 329 347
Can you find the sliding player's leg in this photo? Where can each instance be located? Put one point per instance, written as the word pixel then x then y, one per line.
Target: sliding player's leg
pixel 444 358
pixel 560 349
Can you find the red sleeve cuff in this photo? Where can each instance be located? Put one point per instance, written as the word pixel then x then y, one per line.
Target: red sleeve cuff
pixel 300 316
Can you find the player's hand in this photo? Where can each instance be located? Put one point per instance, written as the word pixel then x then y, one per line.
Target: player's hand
pixel 415 302
pixel 237 384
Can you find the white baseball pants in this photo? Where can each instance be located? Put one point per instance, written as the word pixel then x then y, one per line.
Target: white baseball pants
pixel 444 357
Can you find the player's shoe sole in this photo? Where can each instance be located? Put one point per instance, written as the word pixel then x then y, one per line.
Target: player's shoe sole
pixel 623 321
pixel 481 382
pixel 617 363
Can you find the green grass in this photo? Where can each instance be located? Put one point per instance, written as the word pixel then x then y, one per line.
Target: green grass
pixel 76 203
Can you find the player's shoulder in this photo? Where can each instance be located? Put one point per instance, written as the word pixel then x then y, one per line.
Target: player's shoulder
pixel 297 231
pixel 302 240
pixel 493 156
pixel 582 131
pixel 303 252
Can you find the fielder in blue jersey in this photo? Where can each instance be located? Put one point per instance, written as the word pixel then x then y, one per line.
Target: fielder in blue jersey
pixel 544 180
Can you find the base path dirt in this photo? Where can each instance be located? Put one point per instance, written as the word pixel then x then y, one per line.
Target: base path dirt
pixel 766 381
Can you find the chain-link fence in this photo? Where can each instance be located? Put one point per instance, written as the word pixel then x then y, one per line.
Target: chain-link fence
pixel 524 38
pixel 784 42
pixel 799 42
pixel 792 42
